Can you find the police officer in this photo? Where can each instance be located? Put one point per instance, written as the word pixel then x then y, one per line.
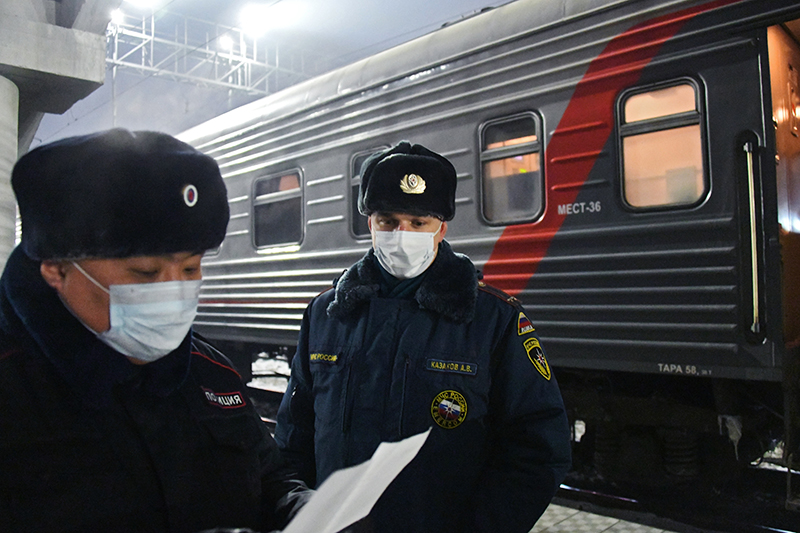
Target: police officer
pixel 113 416
pixel 410 338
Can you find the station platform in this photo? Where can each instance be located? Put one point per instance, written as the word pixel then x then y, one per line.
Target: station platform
pixel 562 519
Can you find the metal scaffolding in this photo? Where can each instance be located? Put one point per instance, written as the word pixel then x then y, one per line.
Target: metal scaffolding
pixel 206 54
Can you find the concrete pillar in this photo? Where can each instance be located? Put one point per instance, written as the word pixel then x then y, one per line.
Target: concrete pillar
pixel 9 117
pixel 46 65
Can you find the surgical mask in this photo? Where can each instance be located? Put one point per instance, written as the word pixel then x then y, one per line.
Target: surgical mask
pixel 148 320
pixel 405 254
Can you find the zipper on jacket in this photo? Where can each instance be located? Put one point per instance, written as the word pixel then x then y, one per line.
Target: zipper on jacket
pixel 403 394
pixel 347 410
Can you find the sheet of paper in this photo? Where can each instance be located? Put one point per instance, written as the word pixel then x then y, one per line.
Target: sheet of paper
pixel 348 495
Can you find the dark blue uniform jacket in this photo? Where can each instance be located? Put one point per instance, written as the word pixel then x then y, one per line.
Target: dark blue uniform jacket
pixel 91 442
pixel 457 356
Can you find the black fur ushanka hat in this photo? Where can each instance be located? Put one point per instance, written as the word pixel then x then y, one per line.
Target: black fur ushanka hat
pixel 408 179
pixel 119 194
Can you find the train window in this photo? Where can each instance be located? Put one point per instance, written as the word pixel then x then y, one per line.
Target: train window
pixel 511 177
pixel 277 210
pixel 358 222
pixel 662 148
pixel 660 103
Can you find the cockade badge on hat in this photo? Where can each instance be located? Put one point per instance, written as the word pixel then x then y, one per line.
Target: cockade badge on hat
pixel 412 184
pixel 190 195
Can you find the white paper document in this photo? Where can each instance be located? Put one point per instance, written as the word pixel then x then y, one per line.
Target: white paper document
pixel 348 495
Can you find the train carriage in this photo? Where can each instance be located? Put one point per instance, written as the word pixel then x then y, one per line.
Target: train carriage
pixel 628 169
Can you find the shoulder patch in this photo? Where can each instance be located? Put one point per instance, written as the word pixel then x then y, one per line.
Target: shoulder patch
pixel 219 381
pixel 524 325
pixel 225 400
pixel 536 355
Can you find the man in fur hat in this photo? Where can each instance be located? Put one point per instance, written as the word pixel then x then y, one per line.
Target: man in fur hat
pixel 113 416
pixel 410 339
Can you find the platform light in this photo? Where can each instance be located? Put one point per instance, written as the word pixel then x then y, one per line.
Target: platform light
pixel 117 17
pixel 254 19
pixel 258 18
pixel 225 42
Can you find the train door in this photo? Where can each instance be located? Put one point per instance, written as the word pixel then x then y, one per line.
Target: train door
pixel 784 66
pixel 784 70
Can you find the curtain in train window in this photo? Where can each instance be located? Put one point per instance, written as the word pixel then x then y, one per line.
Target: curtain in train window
pixel 277 210
pixel 662 147
pixel 358 222
pixel 511 176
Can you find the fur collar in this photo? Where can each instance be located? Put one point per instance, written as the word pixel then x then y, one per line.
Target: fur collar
pixel 450 287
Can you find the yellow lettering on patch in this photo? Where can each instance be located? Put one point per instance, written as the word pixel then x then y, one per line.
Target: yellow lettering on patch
pixel 452 366
pixel 323 357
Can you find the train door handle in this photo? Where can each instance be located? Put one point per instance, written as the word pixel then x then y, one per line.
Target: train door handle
pixel 748 148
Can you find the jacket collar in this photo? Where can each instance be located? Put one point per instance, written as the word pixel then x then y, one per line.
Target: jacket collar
pixel 450 286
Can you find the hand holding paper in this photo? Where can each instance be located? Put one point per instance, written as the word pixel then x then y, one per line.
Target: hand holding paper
pixel 349 494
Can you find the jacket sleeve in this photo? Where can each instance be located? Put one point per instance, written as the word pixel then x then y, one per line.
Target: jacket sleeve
pixel 294 431
pixel 282 492
pixel 530 454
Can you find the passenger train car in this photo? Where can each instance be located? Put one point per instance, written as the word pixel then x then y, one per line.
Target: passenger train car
pixel 628 169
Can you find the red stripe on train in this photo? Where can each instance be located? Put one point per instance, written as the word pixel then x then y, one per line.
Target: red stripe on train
pixel 585 126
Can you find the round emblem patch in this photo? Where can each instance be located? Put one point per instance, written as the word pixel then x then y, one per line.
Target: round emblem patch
pixel 449 409
pixel 190 195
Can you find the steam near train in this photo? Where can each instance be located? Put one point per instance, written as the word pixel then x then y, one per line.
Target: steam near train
pixel 628 169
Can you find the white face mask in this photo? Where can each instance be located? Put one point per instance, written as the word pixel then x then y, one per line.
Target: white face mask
pixel 149 320
pixel 405 254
